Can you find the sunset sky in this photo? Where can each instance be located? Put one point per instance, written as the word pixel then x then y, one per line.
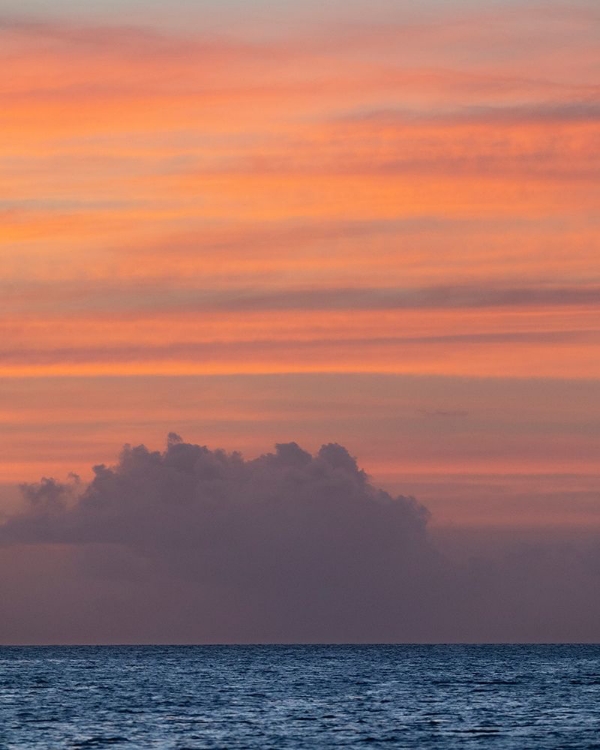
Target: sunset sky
pixel 367 223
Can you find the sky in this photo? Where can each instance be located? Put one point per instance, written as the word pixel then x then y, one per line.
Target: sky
pixel 370 225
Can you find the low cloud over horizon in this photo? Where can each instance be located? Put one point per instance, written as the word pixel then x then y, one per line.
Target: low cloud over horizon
pixel 193 545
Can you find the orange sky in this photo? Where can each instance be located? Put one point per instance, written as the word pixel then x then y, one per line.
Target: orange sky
pixel 384 234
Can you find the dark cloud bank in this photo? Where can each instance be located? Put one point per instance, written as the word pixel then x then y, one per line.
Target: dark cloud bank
pixel 195 545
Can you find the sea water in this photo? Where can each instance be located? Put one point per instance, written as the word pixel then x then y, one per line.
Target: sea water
pixel 300 697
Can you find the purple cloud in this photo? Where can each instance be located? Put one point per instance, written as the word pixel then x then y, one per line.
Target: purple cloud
pixel 199 545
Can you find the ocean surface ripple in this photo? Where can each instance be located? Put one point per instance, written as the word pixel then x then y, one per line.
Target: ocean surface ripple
pixel 280 697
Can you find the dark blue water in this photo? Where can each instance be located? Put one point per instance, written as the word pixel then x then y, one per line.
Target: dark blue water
pixel 300 697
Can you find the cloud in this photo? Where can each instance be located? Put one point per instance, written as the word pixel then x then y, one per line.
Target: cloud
pixel 90 296
pixel 290 355
pixel 300 542
pixel 200 545
pixel 152 500
pixel 126 40
pixel 532 113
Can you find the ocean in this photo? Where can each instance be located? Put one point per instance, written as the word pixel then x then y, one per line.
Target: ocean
pixel 280 697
